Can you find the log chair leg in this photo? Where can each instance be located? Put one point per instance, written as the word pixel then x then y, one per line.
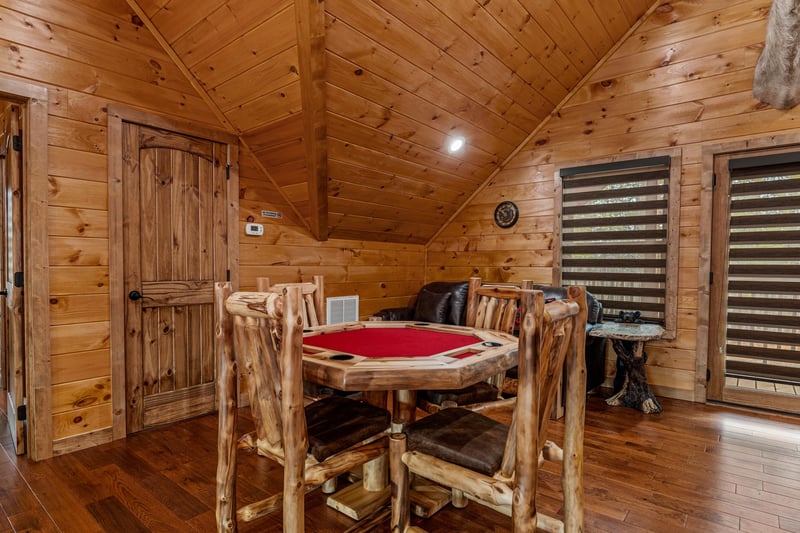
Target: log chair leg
pixel 226 430
pixel 401 511
pixel 574 419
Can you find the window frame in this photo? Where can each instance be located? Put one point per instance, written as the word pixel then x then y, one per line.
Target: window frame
pixel 673 226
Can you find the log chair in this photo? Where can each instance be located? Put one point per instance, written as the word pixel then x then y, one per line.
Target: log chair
pixel 497 465
pixel 313 308
pixel 489 306
pixel 261 333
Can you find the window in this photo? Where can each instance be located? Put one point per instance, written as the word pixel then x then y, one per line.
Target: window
pixel 618 235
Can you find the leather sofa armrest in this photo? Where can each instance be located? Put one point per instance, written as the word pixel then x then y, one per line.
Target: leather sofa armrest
pixel 396 313
pixel 595 359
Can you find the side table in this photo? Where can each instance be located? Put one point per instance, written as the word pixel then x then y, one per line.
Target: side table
pixel 628 340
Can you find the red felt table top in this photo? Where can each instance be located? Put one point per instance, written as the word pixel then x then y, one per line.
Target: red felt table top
pixel 390 342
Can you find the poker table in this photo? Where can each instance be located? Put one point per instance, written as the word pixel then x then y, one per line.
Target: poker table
pixel 393 356
pixel 401 357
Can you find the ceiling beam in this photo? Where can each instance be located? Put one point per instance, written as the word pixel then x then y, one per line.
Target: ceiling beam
pixel 310 17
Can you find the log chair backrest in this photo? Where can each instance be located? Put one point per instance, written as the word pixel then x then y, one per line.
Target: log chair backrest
pixel 550 335
pixel 268 341
pixel 313 308
pixel 493 305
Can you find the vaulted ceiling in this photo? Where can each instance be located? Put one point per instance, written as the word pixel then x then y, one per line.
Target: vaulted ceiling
pixel 380 86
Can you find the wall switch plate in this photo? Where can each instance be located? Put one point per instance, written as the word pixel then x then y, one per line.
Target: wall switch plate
pixel 254 229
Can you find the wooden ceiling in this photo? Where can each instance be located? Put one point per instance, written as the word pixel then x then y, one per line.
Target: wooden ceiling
pixel 381 85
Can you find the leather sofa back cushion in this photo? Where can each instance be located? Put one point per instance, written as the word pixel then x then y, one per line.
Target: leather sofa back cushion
pixel 457 305
pixel 432 306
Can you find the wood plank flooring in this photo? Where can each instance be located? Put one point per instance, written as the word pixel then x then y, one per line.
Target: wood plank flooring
pixel 693 467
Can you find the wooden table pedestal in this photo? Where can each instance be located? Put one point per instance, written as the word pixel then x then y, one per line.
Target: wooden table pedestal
pixel 628 342
pixel 635 391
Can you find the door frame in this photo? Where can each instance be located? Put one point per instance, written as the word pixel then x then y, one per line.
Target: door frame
pixel 116 116
pixel 33 101
pixel 708 362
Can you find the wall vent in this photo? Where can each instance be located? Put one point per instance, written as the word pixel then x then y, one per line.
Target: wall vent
pixel 342 309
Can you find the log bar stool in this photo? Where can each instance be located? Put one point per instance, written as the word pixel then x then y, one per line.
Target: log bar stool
pixel 314 443
pixel 496 465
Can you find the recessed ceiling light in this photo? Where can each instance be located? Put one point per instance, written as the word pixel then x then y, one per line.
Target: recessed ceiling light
pixel 455 144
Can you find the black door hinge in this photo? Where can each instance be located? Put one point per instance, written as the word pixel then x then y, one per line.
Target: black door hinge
pixel 228 171
pixel 710 278
pixel 708 374
pixel 16 142
pixel 228 275
pixel 19 279
pixel 22 413
pixel 713 180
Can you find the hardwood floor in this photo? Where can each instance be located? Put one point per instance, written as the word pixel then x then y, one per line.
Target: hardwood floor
pixel 694 467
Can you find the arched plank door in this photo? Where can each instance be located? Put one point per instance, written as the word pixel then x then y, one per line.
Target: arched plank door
pixel 175 247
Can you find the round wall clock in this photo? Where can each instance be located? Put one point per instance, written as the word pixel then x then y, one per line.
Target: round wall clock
pixel 506 214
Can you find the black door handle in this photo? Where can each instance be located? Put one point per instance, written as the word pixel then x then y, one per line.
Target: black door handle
pixel 135 295
pixel 4 293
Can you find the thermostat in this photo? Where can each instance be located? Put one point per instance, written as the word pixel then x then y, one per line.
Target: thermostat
pixel 254 229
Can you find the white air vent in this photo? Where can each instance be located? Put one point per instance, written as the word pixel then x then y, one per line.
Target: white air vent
pixel 342 309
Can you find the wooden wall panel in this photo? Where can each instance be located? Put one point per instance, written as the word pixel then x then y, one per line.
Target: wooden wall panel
pixel 381 274
pixel 682 79
pixel 87 54
pixel 77 366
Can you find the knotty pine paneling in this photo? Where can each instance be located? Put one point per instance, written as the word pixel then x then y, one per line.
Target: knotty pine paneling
pixel 87 54
pixel 79 423
pixel 77 366
pixel 77 308
pixel 81 394
pixel 381 274
pixel 76 222
pixel 682 79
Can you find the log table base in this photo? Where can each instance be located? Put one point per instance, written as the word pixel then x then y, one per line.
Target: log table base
pixel 635 391
pixel 628 342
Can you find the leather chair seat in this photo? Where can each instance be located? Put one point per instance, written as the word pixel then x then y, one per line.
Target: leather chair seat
pixel 336 423
pixel 462 437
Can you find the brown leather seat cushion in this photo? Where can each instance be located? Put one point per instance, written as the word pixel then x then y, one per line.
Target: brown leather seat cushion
pixel 479 392
pixel 336 423
pixel 461 437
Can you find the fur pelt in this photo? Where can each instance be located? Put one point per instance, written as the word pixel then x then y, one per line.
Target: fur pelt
pixel 777 75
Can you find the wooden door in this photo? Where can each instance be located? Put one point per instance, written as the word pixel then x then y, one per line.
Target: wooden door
pixel 13 319
pixel 754 347
pixel 175 248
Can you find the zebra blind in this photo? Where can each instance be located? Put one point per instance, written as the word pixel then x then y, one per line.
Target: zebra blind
pixel 614 234
pixel 763 307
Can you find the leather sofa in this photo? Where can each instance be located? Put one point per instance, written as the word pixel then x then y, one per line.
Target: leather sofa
pixel 445 302
pixel 441 302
